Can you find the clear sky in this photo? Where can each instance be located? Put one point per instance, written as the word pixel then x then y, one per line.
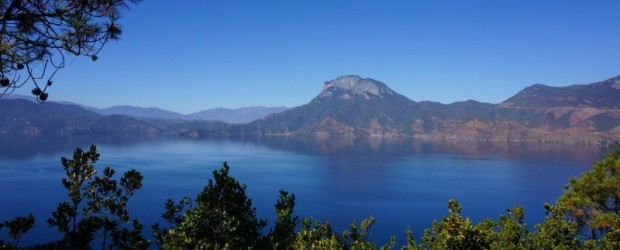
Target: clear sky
pixel 188 56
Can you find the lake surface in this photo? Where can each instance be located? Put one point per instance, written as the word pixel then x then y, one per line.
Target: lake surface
pixel 402 183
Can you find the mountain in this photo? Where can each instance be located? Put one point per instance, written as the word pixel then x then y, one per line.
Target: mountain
pixel 139 112
pixel 577 109
pixel 599 95
pixel 241 115
pixel 356 106
pixel 23 116
pixel 18 96
pixel 347 105
pixel 126 110
pixel 352 106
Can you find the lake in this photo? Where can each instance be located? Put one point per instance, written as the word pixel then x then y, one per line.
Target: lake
pixel 402 183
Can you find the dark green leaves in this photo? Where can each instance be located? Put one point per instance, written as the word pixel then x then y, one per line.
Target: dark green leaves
pixel 37 35
pixel 592 201
pixel 456 232
pixel 223 218
pixel 17 228
pixel 173 215
pixel 98 205
pixel 282 236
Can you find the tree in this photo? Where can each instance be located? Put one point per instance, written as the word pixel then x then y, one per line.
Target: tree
pixel 97 205
pixel 555 232
pixel 283 234
pixel 17 228
pixel 593 199
pixel 512 232
pixel 79 170
pixel 223 218
pixel 107 202
pixel 357 235
pixel 319 235
pixel 316 235
pixel 411 244
pixel 173 215
pixel 456 232
pixel 37 35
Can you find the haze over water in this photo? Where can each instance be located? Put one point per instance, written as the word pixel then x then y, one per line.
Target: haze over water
pixel 400 182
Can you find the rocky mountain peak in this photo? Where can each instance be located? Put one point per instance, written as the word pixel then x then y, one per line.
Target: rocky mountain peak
pixel 352 84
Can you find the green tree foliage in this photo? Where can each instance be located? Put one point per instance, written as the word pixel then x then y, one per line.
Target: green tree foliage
pixel 555 232
pixel 222 219
pixel 455 232
pixel 316 235
pixel 411 243
pixel 319 235
pixel 511 232
pixel 17 228
pixel 98 205
pixel 357 235
pixel 173 215
pixel 593 199
pixel 37 35
pixel 282 236
pixel 78 231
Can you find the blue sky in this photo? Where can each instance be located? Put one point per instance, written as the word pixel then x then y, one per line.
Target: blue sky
pixel 188 56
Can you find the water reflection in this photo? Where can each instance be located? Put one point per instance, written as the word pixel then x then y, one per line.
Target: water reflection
pixel 19 146
pixel 391 148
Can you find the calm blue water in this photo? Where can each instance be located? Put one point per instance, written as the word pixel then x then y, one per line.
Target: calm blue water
pixel 403 183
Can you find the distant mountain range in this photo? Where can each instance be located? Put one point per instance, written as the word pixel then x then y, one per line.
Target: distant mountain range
pixel 24 116
pixel 240 115
pixel 138 112
pixel 353 106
